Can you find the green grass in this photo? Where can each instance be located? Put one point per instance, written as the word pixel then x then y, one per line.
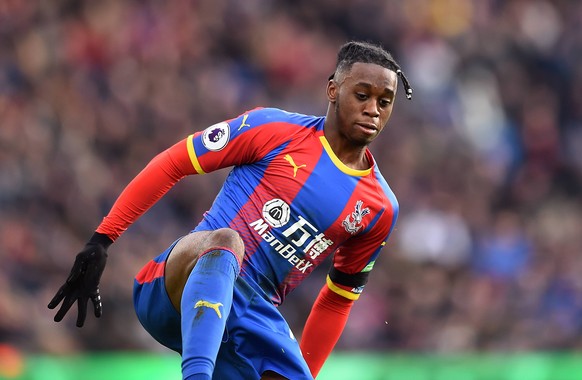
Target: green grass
pixel 341 366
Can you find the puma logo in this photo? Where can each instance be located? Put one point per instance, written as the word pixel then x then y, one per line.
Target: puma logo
pixel 243 122
pixel 295 167
pixel 213 306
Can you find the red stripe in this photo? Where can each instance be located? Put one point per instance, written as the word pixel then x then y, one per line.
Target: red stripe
pixel 150 272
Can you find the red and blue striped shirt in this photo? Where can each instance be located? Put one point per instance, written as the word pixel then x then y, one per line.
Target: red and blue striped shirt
pixel 292 200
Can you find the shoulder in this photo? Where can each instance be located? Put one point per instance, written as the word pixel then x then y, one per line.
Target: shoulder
pixel 383 187
pixel 273 116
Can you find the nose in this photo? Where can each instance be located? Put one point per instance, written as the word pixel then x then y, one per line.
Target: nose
pixel 371 108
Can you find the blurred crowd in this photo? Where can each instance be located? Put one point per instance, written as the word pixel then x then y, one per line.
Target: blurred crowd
pixel 486 160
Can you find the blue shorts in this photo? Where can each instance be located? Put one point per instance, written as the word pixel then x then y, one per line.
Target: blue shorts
pixel 256 339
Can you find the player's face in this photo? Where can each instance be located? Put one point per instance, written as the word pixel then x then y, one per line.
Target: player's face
pixel 363 99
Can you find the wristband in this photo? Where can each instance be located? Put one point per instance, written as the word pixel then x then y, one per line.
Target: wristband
pixel 102 239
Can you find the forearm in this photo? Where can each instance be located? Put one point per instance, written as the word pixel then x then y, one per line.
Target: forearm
pixel 151 184
pixel 324 327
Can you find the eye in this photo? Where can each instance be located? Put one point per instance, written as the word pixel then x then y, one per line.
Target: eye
pixel 385 102
pixel 361 96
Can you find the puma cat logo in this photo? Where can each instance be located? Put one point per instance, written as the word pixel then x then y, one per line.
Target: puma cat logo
pixel 213 306
pixel 295 167
pixel 244 122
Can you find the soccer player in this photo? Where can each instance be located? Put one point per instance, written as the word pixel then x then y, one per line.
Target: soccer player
pixel 302 188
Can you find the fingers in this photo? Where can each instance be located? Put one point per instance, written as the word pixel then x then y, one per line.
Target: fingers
pixel 67 303
pixel 69 300
pixel 82 313
pixel 57 298
pixel 81 284
pixel 98 307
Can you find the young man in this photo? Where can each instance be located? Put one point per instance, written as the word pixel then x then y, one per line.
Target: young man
pixel 302 188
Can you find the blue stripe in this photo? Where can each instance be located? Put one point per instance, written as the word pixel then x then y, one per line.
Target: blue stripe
pixel 309 204
pixel 393 201
pixel 391 197
pixel 273 115
pixel 338 186
pixel 374 221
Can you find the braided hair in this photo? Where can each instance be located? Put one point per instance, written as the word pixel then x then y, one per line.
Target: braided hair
pixel 365 52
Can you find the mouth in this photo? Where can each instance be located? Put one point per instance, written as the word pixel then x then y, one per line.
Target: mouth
pixel 368 127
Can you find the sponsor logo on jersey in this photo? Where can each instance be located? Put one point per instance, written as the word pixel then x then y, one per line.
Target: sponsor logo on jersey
pixel 216 137
pixel 300 241
pixel 276 212
pixel 295 166
pixel 352 222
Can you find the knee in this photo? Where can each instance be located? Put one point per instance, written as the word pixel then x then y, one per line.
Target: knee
pixel 190 247
pixel 227 238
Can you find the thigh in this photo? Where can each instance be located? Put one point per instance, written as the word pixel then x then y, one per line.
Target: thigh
pixel 153 306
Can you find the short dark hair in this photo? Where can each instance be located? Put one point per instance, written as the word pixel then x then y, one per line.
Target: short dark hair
pixel 365 52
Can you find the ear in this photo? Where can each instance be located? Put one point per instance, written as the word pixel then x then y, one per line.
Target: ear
pixel 332 91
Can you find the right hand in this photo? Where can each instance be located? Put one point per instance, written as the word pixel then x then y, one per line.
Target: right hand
pixel 83 281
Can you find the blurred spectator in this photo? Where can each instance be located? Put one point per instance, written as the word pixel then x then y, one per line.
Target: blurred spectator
pixel 502 252
pixel 486 160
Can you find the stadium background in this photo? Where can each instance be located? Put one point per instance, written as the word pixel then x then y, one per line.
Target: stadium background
pixel 483 272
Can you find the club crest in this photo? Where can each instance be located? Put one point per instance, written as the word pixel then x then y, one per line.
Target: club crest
pixel 352 222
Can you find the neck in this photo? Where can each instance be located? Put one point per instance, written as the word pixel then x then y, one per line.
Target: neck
pixel 350 154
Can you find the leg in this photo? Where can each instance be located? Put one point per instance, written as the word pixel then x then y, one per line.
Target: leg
pixel 185 255
pixel 199 278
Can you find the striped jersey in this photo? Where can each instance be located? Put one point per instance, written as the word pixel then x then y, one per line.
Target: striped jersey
pixel 292 200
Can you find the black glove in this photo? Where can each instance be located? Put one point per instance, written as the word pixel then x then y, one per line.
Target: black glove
pixel 83 281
